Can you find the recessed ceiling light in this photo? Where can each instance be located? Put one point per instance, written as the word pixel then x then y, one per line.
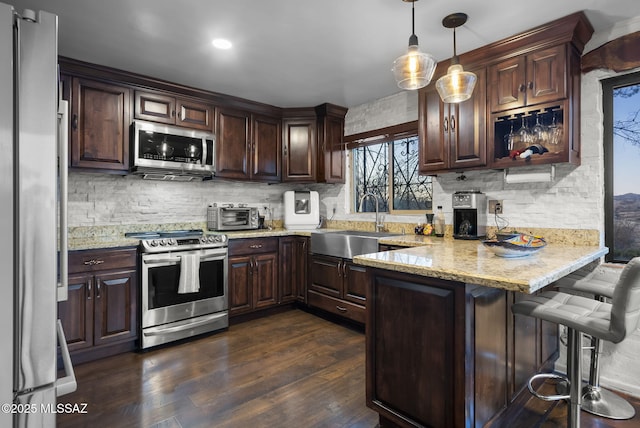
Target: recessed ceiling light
pixel 221 43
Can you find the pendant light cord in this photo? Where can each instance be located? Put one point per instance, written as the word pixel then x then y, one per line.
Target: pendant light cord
pixel 413 18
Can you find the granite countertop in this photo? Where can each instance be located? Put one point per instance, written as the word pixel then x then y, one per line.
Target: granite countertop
pixel 471 262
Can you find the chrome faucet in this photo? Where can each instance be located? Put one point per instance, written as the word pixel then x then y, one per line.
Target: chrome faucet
pixel 379 224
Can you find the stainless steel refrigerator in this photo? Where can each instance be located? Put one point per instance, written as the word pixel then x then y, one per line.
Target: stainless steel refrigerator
pixel 32 206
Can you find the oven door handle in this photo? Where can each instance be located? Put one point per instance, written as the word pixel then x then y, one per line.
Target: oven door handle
pixel 162 261
pixel 157 331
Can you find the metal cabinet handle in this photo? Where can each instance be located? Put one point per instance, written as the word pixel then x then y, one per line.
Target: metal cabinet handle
pixel 255 246
pixel 93 262
pixel 530 85
pixel 97 288
pixel 446 125
pixel 522 87
pixel 341 309
pixel 285 149
pixel 453 123
pixel 89 286
pixel 74 122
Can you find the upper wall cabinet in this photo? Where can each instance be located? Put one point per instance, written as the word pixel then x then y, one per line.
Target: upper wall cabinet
pixel 100 118
pixel 313 147
pixel 528 79
pixel 453 136
pixel 299 148
pixel 247 146
pixel 163 108
pixel 531 85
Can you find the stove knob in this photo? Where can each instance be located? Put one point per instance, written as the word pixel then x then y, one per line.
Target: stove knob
pixel 164 242
pixel 153 243
pixel 173 242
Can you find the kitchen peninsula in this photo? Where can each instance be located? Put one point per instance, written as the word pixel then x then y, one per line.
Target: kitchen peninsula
pixel 443 348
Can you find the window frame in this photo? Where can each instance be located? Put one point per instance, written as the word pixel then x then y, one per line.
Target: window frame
pixel 378 136
pixel 608 86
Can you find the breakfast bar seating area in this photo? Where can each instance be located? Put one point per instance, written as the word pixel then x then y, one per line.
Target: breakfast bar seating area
pixel 581 315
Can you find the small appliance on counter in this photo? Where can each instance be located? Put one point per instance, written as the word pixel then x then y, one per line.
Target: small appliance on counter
pixel 469 215
pixel 301 209
pixel 221 217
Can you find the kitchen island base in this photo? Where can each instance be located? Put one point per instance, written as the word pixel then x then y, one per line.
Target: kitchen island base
pixel 443 353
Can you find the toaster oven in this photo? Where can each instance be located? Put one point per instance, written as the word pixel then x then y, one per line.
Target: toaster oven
pixel 230 217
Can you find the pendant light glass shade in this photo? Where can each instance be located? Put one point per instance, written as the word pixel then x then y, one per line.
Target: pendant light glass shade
pixel 457 85
pixel 414 69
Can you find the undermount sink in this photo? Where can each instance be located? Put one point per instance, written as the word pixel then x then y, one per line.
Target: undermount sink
pixel 346 243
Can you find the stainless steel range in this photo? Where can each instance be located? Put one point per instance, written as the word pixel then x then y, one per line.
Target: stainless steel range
pixel 184 285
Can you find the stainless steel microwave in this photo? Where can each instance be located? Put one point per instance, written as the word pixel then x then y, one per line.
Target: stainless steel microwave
pixel 230 217
pixel 168 152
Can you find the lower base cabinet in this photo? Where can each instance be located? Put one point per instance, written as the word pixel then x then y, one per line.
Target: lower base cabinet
pixel 338 286
pixel 293 268
pixel 252 274
pixel 99 316
pixel 447 354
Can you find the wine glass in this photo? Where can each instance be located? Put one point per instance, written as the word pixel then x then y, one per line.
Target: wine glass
pixel 539 132
pixel 555 131
pixel 523 136
pixel 509 139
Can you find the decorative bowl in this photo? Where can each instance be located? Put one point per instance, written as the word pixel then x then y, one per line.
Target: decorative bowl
pixel 520 245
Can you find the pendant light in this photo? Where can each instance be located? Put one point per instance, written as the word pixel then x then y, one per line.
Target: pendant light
pixel 457 85
pixel 414 69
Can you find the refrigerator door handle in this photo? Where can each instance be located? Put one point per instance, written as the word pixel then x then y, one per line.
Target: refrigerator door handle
pixel 63 154
pixel 65 385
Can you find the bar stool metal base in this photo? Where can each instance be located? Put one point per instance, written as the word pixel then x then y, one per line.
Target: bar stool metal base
pixel 602 402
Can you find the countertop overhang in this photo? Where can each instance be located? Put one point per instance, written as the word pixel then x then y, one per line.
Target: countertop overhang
pixel 470 262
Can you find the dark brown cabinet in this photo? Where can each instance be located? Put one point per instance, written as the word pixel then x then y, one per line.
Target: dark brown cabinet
pixel 299 149
pixel 313 149
pixel 331 146
pixel 173 110
pixel 247 146
pixel 338 286
pixel 293 269
pixel 100 118
pixel 530 79
pixel 252 274
pixel 452 136
pixel 447 354
pixel 100 315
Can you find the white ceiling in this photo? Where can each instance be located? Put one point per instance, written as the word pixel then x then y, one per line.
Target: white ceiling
pixel 292 53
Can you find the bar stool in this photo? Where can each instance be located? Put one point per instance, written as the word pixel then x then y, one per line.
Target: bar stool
pixel 597 400
pixel 605 321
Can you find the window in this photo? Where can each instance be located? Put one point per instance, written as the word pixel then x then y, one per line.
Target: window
pixel 621 102
pixel 385 164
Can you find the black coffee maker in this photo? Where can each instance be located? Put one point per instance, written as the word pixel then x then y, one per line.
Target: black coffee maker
pixel 469 215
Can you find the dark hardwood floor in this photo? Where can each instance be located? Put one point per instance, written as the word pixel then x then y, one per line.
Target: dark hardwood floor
pixel 292 369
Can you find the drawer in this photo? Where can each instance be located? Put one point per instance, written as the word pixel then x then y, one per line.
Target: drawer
pixel 336 306
pixel 95 260
pixel 252 246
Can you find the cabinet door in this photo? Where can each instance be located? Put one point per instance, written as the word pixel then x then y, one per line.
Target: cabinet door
pixel 115 306
pixel 155 107
pixel 76 313
pixel 232 144
pixel 195 115
pixel 265 280
pixel 433 131
pixel 240 284
pixel 293 268
pixel 546 70
pixel 326 275
pixel 265 148
pixel 468 127
pixel 100 117
pixel 333 150
pixel 507 83
pixel 355 283
pixel 299 150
